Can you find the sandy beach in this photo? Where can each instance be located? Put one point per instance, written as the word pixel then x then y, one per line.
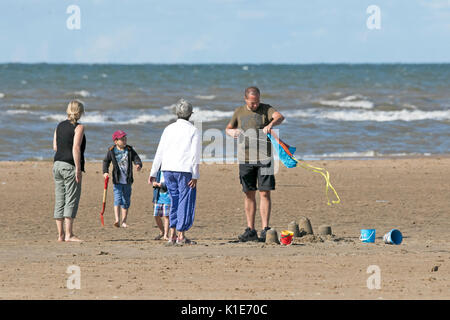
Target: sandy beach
pixel 411 195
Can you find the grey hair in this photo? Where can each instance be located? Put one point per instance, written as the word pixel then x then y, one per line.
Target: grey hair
pixel 183 109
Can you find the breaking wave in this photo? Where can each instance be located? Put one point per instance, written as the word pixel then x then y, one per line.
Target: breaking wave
pixel 378 116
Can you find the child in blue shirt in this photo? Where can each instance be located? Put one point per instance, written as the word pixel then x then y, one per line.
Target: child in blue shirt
pixel 161 202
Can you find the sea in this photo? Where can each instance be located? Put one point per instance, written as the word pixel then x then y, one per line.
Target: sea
pixel 332 111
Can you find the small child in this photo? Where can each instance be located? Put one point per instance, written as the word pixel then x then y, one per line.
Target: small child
pixel 122 156
pixel 161 202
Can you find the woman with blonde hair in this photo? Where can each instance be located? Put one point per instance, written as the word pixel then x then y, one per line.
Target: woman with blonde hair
pixel 69 142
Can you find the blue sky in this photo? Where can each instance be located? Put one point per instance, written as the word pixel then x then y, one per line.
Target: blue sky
pixel 225 31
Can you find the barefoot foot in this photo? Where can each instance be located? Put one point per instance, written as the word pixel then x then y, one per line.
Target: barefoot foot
pixel 73 239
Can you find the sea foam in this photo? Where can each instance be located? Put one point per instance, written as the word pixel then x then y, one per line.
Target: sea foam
pixel 348 103
pixel 117 117
pixel 92 118
pixel 371 115
pixel 363 154
pixel 357 155
pixel 210 115
pixel 211 97
pixel 386 116
pixel 82 93
pixel 148 118
pixel 18 112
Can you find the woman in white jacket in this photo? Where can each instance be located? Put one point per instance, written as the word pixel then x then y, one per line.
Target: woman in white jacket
pixel 178 157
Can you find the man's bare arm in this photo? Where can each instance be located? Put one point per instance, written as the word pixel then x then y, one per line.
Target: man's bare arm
pixel 232 131
pixel 277 118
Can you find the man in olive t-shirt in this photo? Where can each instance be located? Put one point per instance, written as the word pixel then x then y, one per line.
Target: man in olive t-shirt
pixel 250 125
pixel 253 145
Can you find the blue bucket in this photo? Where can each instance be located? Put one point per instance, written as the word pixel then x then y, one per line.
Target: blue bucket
pixel 393 237
pixel 367 235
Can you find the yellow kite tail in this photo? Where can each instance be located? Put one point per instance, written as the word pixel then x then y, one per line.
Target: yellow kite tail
pixel 325 175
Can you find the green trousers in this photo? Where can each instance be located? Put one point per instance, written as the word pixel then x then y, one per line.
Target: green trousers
pixel 67 190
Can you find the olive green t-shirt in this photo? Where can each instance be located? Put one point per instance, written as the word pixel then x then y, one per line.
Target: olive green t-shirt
pixel 253 144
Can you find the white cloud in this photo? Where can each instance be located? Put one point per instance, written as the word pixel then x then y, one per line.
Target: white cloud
pixel 104 48
pixel 320 32
pixel 200 45
pixel 436 4
pixel 250 15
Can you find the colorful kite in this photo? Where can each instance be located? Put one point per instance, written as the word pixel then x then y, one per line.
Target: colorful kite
pixel 286 155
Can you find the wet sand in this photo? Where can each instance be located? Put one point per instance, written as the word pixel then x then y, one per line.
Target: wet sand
pixel 411 195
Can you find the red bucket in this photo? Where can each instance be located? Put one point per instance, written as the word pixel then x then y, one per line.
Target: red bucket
pixel 286 237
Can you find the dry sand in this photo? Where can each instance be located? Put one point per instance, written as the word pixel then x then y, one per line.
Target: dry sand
pixel 411 195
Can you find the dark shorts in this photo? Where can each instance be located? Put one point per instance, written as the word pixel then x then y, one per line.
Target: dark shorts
pixel 256 177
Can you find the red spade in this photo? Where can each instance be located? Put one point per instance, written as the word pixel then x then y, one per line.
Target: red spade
pixel 104 201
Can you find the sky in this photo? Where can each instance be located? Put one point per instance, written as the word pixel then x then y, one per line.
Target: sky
pixel 225 31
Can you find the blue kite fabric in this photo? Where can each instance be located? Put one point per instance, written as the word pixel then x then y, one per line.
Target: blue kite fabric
pixel 285 152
